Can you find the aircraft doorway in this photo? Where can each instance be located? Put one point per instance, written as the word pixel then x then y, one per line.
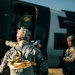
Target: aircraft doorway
pixel 23 15
pixel 38 24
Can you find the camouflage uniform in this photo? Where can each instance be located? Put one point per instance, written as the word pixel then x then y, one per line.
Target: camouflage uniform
pixel 24 59
pixel 70 55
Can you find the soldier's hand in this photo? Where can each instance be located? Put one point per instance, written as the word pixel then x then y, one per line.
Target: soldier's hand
pixel 1 69
pixel 67 59
pixel 7 43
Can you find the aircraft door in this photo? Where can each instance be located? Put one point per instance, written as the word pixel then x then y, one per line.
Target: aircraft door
pixel 23 15
pixel 35 18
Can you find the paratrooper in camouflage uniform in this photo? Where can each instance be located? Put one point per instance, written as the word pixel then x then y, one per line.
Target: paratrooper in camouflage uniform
pixel 23 58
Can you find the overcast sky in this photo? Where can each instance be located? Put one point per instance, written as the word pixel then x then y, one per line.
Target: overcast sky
pixel 56 4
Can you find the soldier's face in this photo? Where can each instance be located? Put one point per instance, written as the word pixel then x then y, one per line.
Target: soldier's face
pixel 18 37
pixel 19 34
pixel 18 40
pixel 70 43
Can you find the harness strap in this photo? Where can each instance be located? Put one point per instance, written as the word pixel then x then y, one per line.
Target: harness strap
pixel 22 64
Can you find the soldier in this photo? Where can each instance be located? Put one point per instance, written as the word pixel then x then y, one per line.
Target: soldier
pixel 26 21
pixel 69 57
pixel 24 58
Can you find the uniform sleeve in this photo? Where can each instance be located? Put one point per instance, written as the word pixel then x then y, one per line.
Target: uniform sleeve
pixel 70 58
pixel 67 51
pixel 4 62
pixel 41 62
